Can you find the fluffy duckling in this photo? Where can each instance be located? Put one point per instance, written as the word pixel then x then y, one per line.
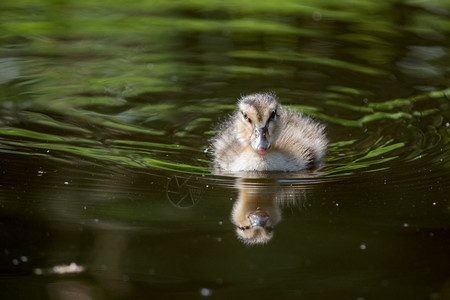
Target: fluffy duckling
pixel 264 136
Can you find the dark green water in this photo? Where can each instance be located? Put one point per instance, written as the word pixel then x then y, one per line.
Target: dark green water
pixel 105 114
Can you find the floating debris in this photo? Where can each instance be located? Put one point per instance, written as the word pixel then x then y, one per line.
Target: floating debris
pixel 73 268
pixel 205 292
pixel 363 246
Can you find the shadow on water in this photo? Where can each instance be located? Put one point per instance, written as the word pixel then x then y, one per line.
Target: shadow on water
pixel 105 186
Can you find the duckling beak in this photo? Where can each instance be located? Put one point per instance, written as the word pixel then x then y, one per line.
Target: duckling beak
pixel 259 217
pixel 261 144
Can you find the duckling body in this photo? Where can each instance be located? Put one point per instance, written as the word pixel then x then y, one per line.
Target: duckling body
pixel 264 136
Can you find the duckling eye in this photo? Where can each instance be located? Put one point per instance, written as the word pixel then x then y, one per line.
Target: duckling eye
pixel 246 117
pixel 273 115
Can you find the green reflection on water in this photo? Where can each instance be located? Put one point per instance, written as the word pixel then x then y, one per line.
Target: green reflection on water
pixel 84 70
pixel 306 58
pixel 130 156
pixel 152 145
pixel 362 160
pixel 88 88
pixel 30 134
pixel 371 108
pixel 135 153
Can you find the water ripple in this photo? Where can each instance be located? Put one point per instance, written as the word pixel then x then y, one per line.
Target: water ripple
pixel 387 137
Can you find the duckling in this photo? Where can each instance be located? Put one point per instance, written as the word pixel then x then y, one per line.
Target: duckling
pixel 264 136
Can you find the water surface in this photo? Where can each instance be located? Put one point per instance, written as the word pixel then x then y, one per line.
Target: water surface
pixel 105 114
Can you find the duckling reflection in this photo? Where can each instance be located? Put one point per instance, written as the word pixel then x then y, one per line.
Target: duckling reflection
pixel 258 209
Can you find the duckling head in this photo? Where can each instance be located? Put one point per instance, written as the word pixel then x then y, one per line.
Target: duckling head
pixel 257 126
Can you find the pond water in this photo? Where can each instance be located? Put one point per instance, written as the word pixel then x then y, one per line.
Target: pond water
pixel 106 109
